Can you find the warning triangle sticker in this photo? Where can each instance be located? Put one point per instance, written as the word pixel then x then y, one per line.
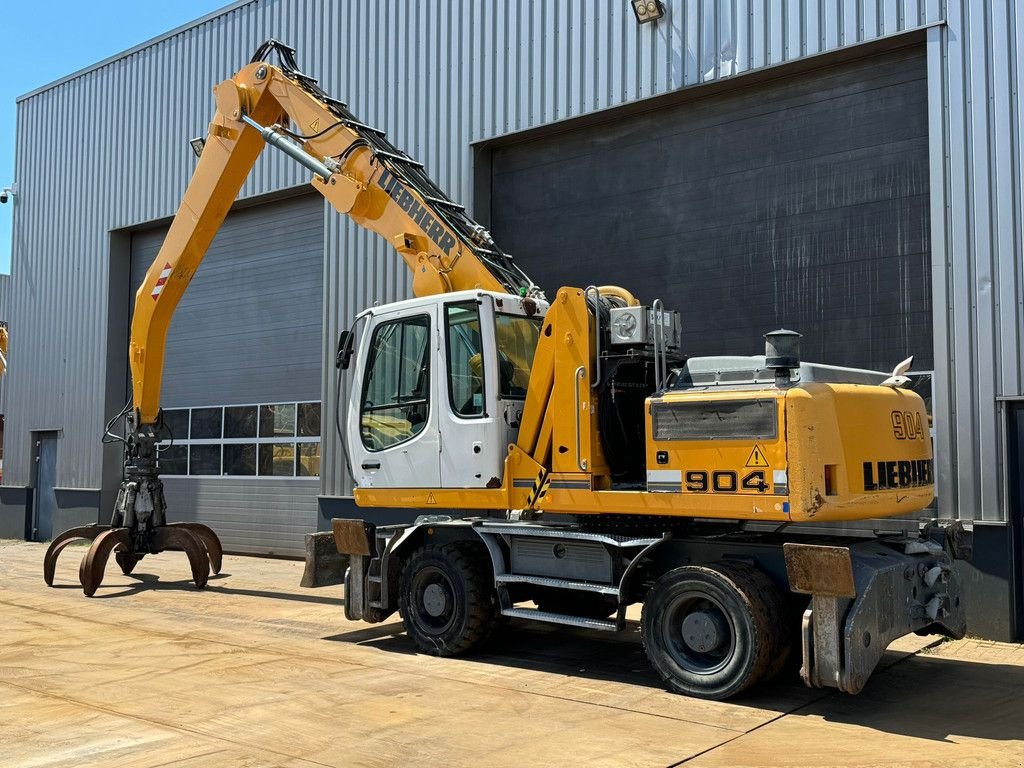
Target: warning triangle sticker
pixel 431 500
pixel 757 458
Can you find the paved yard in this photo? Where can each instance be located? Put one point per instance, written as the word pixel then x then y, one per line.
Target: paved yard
pixel 255 671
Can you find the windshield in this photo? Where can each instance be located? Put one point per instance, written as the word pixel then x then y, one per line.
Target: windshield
pixel 517 338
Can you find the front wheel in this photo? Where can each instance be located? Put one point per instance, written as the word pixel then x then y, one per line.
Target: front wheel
pixel 446 598
pixel 709 631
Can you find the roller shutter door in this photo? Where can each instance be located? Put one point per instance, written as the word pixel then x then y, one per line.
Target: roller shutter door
pixel 247 333
pixel 799 202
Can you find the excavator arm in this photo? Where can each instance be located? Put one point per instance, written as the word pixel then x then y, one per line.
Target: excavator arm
pixel 362 175
pixel 353 165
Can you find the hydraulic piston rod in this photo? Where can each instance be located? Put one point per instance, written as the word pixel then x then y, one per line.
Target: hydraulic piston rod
pixel 291 148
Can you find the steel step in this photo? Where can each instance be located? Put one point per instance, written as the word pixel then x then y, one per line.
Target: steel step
pixel 605 625
pixel 561 532
pixel 548 581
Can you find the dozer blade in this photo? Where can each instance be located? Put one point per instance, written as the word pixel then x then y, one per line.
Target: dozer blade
pixel 167 537
pixel 90 572
pixel 209 540
pixel 82 533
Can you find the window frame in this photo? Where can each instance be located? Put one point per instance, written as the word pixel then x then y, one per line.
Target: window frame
pixel 448 360
pixel 188 442
pixel 404 319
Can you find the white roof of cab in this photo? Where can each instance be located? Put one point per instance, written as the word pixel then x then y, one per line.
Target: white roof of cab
pixel 503 302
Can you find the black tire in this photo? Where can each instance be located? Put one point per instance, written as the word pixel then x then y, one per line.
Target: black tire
pixel 446 598
pixel 583 604
pixel 731 639
pixel 787 611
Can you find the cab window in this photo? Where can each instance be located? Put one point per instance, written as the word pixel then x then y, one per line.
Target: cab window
pixel 396 388
pixel 465 359
pixel 517 338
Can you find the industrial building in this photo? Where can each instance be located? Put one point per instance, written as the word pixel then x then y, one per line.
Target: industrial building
pixel 849 168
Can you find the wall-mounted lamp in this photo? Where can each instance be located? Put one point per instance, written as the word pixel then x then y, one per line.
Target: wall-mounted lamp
pixel 647 10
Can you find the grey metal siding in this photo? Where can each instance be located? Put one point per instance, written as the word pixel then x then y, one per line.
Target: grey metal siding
pixel 440 76
pixel 5 310
pixel 247 329
pixel 976 130
pixel 267 516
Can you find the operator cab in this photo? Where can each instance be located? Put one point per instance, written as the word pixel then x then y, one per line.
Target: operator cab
pixel 439 390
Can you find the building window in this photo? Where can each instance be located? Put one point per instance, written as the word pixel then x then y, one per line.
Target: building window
pixel 257 440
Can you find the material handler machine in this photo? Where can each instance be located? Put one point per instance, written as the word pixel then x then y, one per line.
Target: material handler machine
pixel 568 459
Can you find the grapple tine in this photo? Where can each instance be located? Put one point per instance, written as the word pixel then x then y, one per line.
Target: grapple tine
pixel 84 532
pixel 127 561
pixel 209 540
pixel 167 536
pixel 90 572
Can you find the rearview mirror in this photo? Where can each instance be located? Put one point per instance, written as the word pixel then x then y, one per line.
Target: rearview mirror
pixel 345 343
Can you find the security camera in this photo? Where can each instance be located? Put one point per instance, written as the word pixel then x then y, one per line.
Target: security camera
pixel 5 195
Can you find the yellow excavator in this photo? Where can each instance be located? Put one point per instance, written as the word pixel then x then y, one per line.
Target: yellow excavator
pixel 568 459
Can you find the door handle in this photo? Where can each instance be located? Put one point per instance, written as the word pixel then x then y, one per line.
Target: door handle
pixel 371 465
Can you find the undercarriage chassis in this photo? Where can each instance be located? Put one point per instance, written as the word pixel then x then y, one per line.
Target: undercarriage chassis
pixel 863 593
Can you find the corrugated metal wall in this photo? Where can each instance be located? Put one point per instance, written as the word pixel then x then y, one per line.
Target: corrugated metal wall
pixel 248 329
pixel 5 311
pixel 975 69
pixel 439 76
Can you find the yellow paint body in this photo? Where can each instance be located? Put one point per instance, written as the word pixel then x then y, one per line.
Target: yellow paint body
pixel 824 434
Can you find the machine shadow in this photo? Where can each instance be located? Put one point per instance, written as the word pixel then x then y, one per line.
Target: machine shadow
pixel 146 582
pixel 579 653
pixel 921 696
pixel 935 698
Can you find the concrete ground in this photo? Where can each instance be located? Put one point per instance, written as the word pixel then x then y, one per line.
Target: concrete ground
pixel 256 671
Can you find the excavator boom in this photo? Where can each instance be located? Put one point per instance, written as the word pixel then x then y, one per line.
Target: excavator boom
pixel 354 166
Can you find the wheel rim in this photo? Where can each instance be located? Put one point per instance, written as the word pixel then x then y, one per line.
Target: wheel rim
pixel 433 599
pixel 698 633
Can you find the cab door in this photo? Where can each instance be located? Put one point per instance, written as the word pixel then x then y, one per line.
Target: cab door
pixel 472 444
pixel 487 351
pixel 392 419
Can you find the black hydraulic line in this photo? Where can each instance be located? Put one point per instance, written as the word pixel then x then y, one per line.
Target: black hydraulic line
pixel 404 168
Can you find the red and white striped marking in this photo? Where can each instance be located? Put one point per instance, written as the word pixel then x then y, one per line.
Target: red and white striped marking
pixel 159 287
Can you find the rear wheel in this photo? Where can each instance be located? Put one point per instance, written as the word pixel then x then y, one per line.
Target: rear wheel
pixel 709 631
pixel 446 598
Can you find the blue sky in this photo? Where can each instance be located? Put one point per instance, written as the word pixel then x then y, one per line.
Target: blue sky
pixel 42 43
